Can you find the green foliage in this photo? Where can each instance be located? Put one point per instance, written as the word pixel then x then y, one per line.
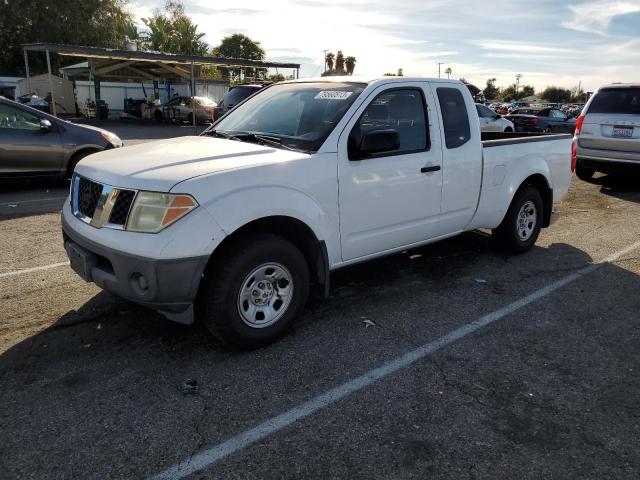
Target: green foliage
pixel 94 23
pixel 472 88
pixel 338 64
pixel 509 93
pixel 240 46
pixel 174 32
pixel 490 92
pixel 556 94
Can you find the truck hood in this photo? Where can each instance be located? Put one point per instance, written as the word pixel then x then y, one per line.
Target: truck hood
pixel 159 165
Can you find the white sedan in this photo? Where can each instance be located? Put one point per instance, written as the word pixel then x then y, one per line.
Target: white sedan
pixel 490 121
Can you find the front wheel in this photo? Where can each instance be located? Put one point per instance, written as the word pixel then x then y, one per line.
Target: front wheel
pixel 521 225
pixel 255 293
pixel 508 130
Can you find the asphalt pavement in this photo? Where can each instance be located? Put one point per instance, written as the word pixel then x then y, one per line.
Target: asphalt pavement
pixel 539 379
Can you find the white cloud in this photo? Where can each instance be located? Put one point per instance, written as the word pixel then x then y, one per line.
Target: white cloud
pixel 596 16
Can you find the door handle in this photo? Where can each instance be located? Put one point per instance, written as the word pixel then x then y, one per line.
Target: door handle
pixel 434 168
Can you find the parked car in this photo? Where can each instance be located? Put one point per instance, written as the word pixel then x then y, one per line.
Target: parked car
pixel 607 135
pixel 303 178
pixel 491 121
pixel 546 120
pixel 180 109
pixel 234 96
pixel 34 143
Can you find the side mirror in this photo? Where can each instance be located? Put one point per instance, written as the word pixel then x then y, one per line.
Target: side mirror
pixel 378 141
pixel 45 125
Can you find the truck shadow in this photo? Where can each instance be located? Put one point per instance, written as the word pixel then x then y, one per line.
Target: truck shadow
pixel 113 374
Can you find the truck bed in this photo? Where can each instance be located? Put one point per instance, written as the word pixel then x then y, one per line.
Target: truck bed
pixel 493 139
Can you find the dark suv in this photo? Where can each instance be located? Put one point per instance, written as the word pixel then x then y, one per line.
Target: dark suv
pixel 234 96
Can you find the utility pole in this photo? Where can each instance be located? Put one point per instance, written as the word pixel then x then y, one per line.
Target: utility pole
pixel 518 77
pixel 439 65
pixel 324 56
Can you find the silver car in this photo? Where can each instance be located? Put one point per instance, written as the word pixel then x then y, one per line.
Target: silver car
pixel 608 132
pixel 34 143
pixel 180 109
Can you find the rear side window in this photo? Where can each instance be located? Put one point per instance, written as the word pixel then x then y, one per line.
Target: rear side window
pixel 616 100
pixel 454 117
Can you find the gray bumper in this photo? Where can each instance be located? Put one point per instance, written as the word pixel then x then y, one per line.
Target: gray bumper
pixel 169 286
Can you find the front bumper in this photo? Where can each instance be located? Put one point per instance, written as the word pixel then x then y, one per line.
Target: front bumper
pixel 169 286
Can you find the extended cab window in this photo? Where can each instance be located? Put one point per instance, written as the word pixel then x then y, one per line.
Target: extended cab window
pixel 402 110
pixel 454 117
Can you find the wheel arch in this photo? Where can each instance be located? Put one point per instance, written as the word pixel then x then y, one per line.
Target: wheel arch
pixel 540 183
pixel 292 229
pixel 79 154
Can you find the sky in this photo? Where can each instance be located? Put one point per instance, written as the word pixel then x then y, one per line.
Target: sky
pixel 549 42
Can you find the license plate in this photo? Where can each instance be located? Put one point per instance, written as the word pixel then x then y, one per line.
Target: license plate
pixel 624 132
pixel 81 260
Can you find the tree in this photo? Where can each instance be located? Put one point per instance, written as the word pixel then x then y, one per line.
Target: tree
pixel 174 32
pixel 340 62
pixel 350 64
pixel 509 93
pixel 490 92
pixel 329 60
pixel 240 46
pixel 556 94
pixel 472 88
pixel 448 71
pixel 400 73
pixel 94 23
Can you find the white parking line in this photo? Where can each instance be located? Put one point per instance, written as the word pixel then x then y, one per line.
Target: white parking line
pixel 33 269
pixel 211 455
pixel 18 202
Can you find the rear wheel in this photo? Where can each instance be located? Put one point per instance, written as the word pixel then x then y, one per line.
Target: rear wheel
pixel 584 173
pixel 546 130
pixel 508 130
pixel 256 293
pixel 521 225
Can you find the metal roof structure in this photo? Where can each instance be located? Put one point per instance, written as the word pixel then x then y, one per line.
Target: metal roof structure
pixel 108 63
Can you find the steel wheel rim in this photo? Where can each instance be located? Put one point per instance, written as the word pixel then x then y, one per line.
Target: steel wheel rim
pixel 526 221
pixel 265 295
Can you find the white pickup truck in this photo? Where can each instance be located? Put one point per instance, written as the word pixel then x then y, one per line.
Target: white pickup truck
pixel 233 226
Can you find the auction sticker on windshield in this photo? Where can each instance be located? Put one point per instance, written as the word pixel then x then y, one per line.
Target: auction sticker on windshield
pixel 332 95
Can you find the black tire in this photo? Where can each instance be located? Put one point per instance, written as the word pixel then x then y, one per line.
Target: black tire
pixel 507 234
pixel 218 305
pixel 190 119
pixel 584 173
pixel 508 130
pixel 71 166
pixel 546 130
pixel 158 117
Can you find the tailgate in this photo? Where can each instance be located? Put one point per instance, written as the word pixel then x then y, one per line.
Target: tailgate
pixel 604 131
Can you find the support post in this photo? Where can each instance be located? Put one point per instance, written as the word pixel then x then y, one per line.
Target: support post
pixel 26 69
pixel 53 97
pixel 193 100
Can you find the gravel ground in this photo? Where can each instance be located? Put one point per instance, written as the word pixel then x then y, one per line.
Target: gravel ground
pixel 92 386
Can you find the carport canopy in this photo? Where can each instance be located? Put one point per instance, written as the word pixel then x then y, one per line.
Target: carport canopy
pixel 143 66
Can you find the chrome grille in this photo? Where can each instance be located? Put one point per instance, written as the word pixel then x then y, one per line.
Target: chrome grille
pixel 121 208
pixel 88 195
pixel 100 205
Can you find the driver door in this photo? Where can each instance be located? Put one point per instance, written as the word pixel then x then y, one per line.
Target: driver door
pixel 391 200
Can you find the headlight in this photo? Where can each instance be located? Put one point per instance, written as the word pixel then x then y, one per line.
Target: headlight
pixel 111 138
pixel 153 211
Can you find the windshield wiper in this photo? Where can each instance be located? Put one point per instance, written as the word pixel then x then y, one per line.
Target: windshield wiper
pixel 262 139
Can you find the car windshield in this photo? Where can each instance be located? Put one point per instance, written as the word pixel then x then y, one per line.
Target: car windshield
pixel 298 115
pixel 616 100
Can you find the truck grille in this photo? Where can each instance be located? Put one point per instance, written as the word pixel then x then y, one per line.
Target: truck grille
pixel 88 195
pixel 101 205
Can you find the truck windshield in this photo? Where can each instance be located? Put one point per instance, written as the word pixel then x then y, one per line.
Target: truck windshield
pixel 296 115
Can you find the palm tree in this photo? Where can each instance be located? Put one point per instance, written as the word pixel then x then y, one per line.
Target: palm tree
pixel 329 60
pixel 448 71
pixel 350 64
pixel 339 62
